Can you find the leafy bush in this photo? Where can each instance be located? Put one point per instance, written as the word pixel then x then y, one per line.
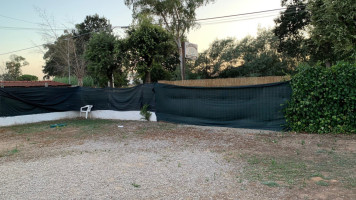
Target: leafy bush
pixel 27 77
pixel 87 81
pixel 323 99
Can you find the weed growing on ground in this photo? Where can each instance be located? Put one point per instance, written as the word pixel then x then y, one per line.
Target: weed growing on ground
pixel 136 185
pixel 10 153
pixel 270 183
pixel 303 142
pixel 322 183
pixel 145 113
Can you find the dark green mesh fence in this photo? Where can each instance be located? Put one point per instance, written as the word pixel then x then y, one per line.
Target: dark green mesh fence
pixel 25 101
pixel 257 107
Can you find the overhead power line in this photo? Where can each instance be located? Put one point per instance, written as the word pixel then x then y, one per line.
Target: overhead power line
pixel 30 28
pixel 243 19
pixel 206 22
pixel 75 36
pixel 22 20
pixel 21 50
pixel 241 14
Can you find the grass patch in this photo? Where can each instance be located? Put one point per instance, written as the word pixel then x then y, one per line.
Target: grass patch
pixel 84 124
pixel 350 182
pixel 166 126
pixel 293 172
pixel 91 126
pixel 322 183
pixel 10 153
pixel 270 183
pixel 269 169
pixel 30 128
pixel 140 131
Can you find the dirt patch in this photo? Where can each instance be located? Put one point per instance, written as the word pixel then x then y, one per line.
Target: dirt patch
pixel 98 159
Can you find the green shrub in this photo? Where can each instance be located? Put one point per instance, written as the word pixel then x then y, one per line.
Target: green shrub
pixel 28 77
pixel 87 81
pixel 145 113
pixel 323 99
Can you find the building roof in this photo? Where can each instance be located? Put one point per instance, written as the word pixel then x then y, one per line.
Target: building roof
pixel 32 84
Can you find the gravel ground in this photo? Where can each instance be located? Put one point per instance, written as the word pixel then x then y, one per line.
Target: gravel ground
pixel 134 169
pixel 97 160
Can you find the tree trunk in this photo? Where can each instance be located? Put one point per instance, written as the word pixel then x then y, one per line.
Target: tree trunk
pixel 181 58
pixel 80 81
pixel 147 77
pixel 111 82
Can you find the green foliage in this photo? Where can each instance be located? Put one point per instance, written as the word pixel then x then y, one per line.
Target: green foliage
pixel 106 56
pixel 150 44
pixel 67 51
pixel 221 53
pixel 323 99
pixel 146 114
pixel 334 27
pixel 87 81
pixel 92 23
pixel 250 56
pixel 290 29
pixel 27 77
pixel 317 30
pixel 176 16
pixel 158 72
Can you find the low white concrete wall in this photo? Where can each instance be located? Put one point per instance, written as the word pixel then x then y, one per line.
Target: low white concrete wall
pixel 98 114
pixel 120 115
pixel 26 119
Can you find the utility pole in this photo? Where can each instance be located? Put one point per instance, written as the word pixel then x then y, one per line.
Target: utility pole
pixel 68 60
pixel 66 31
pixel 183 61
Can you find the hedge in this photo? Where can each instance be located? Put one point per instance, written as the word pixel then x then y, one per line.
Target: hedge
pixel 323 99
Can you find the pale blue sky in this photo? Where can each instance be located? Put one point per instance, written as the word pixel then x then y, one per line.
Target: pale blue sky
pixel 66 13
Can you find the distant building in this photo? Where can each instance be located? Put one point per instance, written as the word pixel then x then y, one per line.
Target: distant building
pixel 28 84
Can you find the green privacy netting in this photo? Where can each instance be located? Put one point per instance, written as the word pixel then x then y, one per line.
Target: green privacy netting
pixel 257 107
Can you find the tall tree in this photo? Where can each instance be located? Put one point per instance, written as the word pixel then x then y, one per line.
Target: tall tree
pixel 68 48
pixel 149 44
pixel 318 30
pixel 291 28
pixel 334 28
pixel 247 57
pixel 64 56
pixel 13 67
pixel 177 16
pixel 219 56
pixel 106 57
pixel 92 24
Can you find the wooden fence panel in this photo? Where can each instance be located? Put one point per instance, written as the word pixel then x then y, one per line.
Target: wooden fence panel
pixel 226 82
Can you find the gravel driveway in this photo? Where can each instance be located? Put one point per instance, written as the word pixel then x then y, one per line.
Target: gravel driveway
pixel 153 161
pixel 134 169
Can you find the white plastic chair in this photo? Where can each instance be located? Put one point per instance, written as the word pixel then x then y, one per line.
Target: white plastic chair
pixel 85 109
